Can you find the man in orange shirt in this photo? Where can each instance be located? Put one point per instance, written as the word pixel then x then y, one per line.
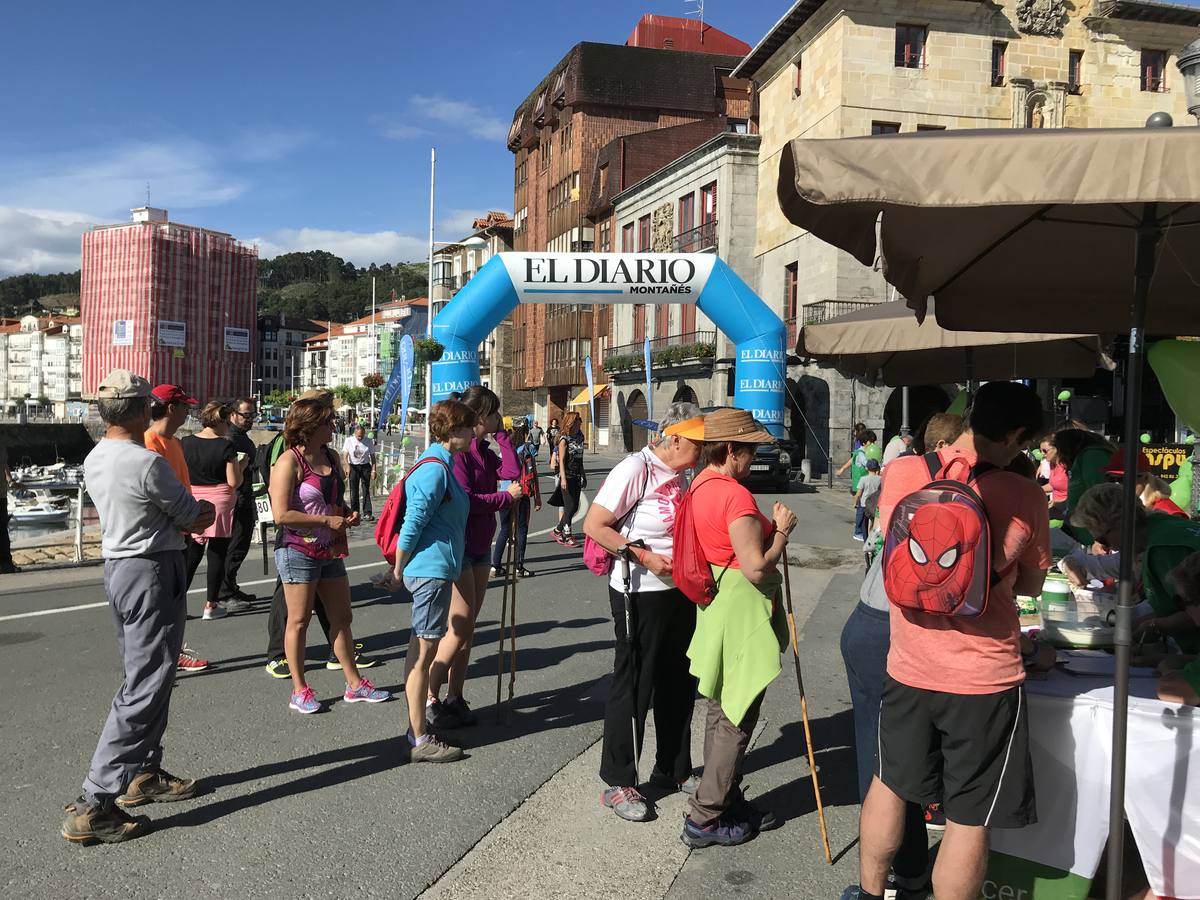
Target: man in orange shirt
pixel 170 406
pixel 953 723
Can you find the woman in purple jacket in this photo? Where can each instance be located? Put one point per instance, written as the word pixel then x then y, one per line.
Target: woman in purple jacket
pixel 479 471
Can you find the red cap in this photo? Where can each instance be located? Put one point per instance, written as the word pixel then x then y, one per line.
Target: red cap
pixel 1116 463
pixel 173 393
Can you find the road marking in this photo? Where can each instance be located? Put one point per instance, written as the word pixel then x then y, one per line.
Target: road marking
pixel 583 507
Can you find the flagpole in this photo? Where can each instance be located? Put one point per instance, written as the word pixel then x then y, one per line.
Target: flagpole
pixel 374 353
pixel 429 299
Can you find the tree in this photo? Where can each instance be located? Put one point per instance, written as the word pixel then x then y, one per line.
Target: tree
pixel 351 396
pixel 279 398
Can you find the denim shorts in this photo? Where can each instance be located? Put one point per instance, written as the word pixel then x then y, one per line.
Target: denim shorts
pixel 471 560
pixel 295 567
pixel 430 606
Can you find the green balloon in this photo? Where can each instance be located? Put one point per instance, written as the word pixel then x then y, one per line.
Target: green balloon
pixel 1064 396
pixel 1190 439
pixel 1037 454
pixel 1181 487
pixel 406 442
pixel 1177 365
pixel 1145 437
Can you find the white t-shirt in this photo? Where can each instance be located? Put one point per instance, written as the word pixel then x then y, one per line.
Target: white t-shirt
pixel 894 448
pixel 358 452
pixel 654 519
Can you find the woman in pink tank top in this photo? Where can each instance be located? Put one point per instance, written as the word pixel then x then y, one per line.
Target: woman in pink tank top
pixel 306 501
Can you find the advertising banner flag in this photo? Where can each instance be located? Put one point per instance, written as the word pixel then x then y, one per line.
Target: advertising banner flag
pixel 649 383
pixel 399 383
pixel 587 371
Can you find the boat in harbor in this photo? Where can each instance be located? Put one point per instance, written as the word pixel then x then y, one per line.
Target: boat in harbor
pixel 38 507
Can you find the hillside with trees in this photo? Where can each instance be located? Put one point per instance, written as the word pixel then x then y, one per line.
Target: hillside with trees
pixel 314 284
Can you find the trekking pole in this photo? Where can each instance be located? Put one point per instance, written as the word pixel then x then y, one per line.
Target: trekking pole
pixel 500 649
pixel 512 633
pixel 812 762
pixel 626 580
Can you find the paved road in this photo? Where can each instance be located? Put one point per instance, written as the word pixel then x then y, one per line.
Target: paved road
pixel 327 806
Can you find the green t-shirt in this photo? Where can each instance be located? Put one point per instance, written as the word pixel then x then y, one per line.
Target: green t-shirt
pixel 1087 471
pixel 1169 541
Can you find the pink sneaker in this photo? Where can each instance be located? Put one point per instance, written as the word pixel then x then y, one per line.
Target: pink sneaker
pixel 303 701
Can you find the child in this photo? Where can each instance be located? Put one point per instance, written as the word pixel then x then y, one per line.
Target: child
pixel 527 451
pixel 866 500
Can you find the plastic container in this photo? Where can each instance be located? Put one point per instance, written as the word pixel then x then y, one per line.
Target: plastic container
pixel 1077 617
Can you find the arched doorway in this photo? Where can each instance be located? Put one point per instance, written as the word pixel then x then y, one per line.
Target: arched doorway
pixel 685 395
pixel 635 408
pixel 813 395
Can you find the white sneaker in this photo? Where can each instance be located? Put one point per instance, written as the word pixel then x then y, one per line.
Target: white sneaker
pixel 214 612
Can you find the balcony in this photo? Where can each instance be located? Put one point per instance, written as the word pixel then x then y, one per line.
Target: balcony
pixel 823 310
pixel 701 239
pixel 681 354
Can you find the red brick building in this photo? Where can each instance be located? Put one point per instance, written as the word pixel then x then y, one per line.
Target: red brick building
pixel 566 140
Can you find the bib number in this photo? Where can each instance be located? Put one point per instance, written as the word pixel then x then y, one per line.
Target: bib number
pixel 263 505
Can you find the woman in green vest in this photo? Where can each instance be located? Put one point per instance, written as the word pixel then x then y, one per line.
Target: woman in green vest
pixel 1085 455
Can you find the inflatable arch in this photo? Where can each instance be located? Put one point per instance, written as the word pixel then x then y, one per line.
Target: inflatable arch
pixel 650 278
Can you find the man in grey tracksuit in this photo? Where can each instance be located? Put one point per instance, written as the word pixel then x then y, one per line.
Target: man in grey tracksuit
pixel 143 511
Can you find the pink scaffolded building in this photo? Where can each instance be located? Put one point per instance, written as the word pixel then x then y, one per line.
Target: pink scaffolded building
pixel 173 303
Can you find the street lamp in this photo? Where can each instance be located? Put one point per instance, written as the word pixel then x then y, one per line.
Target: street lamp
pixel 1189 64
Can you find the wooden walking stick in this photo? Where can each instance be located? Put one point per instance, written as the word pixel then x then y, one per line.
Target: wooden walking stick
pixel 812 763
pixel 512 634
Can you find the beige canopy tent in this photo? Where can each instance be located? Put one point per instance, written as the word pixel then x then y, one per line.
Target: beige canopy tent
pixel 1034 231
pixel 885 344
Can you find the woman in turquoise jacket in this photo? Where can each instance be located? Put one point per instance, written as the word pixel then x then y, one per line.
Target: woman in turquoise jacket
pixel 429 556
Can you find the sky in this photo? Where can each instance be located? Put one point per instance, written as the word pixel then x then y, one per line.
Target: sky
pixel 296 126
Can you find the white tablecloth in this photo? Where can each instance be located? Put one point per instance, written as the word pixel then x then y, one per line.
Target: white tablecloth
pixel 1070 724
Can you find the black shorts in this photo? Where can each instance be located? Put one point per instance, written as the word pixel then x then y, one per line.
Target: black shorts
pixel 970 751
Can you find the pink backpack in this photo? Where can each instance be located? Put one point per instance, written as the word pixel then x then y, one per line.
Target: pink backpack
pixel 598 560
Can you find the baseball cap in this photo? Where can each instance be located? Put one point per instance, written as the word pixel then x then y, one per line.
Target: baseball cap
pixel 121 384
pixel 173 393
pixel 1116 463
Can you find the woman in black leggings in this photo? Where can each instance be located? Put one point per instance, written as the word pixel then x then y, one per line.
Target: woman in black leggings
pixel 216 473
pixel 569 449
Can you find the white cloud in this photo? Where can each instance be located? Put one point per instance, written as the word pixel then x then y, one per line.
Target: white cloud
pixel 359 247
pixel 181 174
pixel 462 115
pixel 40 240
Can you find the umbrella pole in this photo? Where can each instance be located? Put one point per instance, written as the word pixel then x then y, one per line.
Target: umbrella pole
pixel 1148 235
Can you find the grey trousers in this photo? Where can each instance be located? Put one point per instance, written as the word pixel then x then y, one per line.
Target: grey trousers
pixel 148 596
pixel 724 752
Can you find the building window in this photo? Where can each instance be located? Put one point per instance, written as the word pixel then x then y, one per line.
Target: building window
pixel 687 213
pixel 639 323
pixel 662 320
pixel 708 203
pixel 931 128
pixel 605 236
pixel 627 238
pixel 999 49
pixel 544 153
pixel 1154 71
pixel 1075 72
pixel 910 46
pixel 797 84
pixel 790 277
pixel 603 178
pixel 643 234
pixel 885 128
pixel 739 126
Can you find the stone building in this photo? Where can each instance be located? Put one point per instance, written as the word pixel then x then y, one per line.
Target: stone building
pixel 840 69
pixel 281 351
pixel 41 365
pixel 700 202
pixel 670 72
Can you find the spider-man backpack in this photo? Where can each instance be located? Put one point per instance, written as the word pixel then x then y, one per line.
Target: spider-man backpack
pixel 937 556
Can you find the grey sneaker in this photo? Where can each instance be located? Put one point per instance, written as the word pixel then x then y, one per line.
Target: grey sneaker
pixel 664 782
pixel 433 750
pixel 627 803
pixel 234 605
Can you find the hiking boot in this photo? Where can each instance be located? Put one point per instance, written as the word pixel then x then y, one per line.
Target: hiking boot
pixel 664 782
pixel 935 817
pixel 439 718
pixel 434 750
pixel 361 660
pixel 727 831
pixel 365 693
pixel 278 668
pixel 102 822
pixel 156 786
pixel 627 803
pixel 244 596
pixel 236 605
pixel 461 710
pixel 759 819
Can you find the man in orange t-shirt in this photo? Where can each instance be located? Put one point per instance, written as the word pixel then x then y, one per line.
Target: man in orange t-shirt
pixel 953 724
pixel 169 409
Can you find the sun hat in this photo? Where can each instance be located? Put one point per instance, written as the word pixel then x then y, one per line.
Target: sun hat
pixel 730 424
pixel 121 384
pixel 173 393
pixel 325 396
